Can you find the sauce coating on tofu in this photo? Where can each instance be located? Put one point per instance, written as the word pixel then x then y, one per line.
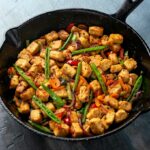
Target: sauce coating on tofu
pixel 80 75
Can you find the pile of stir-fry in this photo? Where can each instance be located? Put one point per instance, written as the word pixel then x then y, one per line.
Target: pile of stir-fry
pixel 75 82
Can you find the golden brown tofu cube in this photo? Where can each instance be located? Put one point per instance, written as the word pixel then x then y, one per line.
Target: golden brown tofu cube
pixel 116 38
pixel 120 115
pixel 63 35
pixel 127 106
pixel 68 70
pixel 42 94
pixel 23 63
pixel 132 78
pixel 84 41
pixel 56 71
pixel 59 129
pixel 115 47
pixel 83 94
pixel 86 70
pixel 72 47
pixel 74 116
pixel 27 94
pixel 52 125
pixel 36 116
pixel 96 59
pixel 14 81
pixel 104 40
pixel 96 126
pixel 33 48
pixel 39 79
pixel 42 53
pixel 113 58
pixel 67 54
pixel 124 74
pixel 50 106
pixel 86 127
pixel 96 31
pixel 24 108
pixel 52 62
pixel 37 60
pixel 61 93
pixel 94 113
pixel 76 130
pixel 34 70
pixel 130 64
pixel 111 101
pixel 105 64
pixel 110 116
pixel 25 54
pixel 21 86
pixel 78 103
pixel 53 35
pixel 55 45
pixel 95 86
pixel 115 89
pixel 58 56
pixel 115 68
pixel 84 34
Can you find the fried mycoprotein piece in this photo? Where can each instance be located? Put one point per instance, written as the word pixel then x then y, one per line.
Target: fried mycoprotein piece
pixel 36 116
pixel 120 115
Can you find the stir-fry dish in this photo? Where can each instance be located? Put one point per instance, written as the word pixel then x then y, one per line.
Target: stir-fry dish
pixel 75 82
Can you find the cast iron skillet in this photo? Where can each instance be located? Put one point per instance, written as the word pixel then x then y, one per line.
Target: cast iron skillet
pixel 59 19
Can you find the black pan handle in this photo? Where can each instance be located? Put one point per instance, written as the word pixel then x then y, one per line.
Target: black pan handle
pixel 127 7
pixel 13 37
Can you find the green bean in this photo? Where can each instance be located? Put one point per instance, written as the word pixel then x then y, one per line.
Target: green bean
pixel 69 91
pixel 81 111
pixel 74 37
pixel 87 107
pixel 136 88
pixel 99 77
pixel 39 127
pixel 90 49
pixel 48 112
pixel 66 42
pixel 77 76
pixel 25 77
pixel 47 70
pixel 57 100
pixel 121 62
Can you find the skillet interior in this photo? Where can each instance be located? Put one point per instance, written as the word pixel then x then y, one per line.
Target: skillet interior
pixel 34 28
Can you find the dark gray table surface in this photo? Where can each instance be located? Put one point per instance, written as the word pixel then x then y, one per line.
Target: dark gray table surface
pixel 13 136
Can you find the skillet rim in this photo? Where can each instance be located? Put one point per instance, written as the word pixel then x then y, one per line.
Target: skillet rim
pixel 82 138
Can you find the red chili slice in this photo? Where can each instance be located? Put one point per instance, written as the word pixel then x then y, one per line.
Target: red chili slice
pixel 67 121
pixel 73 62
pixel 69 27
pixel 121 53
pixel 93 106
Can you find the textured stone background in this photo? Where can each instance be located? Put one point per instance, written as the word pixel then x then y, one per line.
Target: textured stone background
pixel 15 137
